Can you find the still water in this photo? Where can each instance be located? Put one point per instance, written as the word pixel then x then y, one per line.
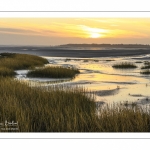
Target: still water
pixel 98 75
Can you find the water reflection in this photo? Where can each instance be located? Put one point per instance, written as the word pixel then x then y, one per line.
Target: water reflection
pixel 97 75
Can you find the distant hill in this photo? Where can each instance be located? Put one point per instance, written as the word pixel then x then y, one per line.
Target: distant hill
pixel 107 45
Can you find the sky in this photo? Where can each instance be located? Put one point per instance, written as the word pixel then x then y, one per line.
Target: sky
pixel 58 31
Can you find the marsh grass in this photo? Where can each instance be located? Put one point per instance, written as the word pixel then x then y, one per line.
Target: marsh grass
pixel 65 109
pixel 120 118
pixel 124 65
pixel 85 60
pixel 145 67
pixel 56 109
pixel 4 72
pixel 20 61
pixel 138 62
pixel 110 60
pixel 53 72
pixel 147 72
pixel 67 59
pixel 146 63
pixel 12 61
pixel 60 108
pixel 91 60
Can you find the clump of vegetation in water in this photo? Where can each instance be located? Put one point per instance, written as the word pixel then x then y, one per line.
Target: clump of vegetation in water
pixel 147 72
pixel 96 60
pixel 67 59
pixel 124 65
pixel 20 61
pixel 146 67
pixel 85 60
pixel 138 62
pixel 110 60
pixel 53 72
pixel 146 63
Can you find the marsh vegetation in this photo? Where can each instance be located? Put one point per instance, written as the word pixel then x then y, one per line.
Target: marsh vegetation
pixel 65 109
pixel 139 62
pixel 53 72
pixel 20 61
pixel 146 66
pixel 146 72
pixel 60 108
pixel 12 61
pixel 124 65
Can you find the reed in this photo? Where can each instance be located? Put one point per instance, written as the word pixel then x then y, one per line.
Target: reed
pixel 4 72
pixel 53 72
pixel 124 65
pixel 147 72
pixel 60 108
pixel 145 67
pixel 20 61
pixel 65 109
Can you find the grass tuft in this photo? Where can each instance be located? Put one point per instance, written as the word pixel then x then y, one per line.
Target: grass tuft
pixel 138 62
pixel 124 65
pixel 146 67
pixel 53 72
pixel 147 72
pixel 20 61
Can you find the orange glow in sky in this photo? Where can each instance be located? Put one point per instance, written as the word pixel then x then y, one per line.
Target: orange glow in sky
pixel 55 31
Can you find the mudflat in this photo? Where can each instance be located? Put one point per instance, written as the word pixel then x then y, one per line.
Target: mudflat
pixel 55 52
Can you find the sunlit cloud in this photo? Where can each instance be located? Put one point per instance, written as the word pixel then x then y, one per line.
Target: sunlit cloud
pixel 114 25
pixel 93 32
pixel 82 29
pixel 27 31
pixel 125 34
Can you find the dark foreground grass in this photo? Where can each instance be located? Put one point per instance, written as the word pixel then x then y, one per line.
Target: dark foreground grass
pixel 52 110
pixel 53 72
pixel 118 118
pixel 4 72
pixel 124 65
pixel 60 109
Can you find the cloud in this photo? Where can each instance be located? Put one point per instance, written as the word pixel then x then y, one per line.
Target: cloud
pixel 114 25
pixel 48 31
pixel 41 32
pixel 16 30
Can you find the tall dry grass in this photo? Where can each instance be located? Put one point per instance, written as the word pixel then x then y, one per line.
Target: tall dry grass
pixel 124 65
pixel 61 109
pixel 20 61
pixel 51 110
pixel 53 72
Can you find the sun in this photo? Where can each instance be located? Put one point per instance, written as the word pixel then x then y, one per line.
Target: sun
pixel 95 35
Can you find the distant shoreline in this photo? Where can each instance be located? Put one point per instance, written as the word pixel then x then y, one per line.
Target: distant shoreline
pixel 51 52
